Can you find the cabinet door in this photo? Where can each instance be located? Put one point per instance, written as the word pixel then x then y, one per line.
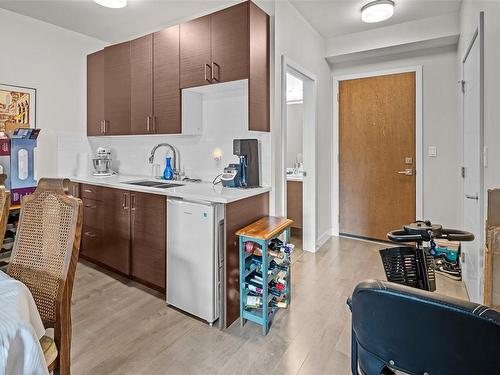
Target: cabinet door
pixel 195 55
pixel 95 93
pixel 230 44
pixel 167 94
pixel 149 238
pixel 117 89
pixel 141 75
pixel 116 230
pixel 259 85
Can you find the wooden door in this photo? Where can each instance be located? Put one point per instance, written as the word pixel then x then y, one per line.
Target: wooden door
pixel 195 55
pixel 117 89
pixel 116 230
pixel 376 143
pixel 230 40
pixel 141 76
pixel 167 93
pixel 95 93
pixel 148 230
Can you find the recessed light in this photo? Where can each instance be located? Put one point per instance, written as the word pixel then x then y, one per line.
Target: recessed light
pixel 112 3
pixel 376 11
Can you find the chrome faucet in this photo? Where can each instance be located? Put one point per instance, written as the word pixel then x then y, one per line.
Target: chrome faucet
pixel 174 157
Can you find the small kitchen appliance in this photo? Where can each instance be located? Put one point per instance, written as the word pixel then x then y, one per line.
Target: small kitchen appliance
pixel 102 162
pixel 231 176
pixel 246 173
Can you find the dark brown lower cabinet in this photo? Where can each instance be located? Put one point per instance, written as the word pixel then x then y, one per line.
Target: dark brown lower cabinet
pixel 126 232
pixel 148 231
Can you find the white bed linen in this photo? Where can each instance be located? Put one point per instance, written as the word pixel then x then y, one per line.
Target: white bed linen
pixel 20 330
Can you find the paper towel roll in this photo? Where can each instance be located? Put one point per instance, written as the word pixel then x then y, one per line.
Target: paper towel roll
pixel 82 164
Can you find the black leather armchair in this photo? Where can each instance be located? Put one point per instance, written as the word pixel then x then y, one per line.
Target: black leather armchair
pixel 419 332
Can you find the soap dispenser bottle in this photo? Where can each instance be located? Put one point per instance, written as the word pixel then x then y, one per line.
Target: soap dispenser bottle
pixel 168 173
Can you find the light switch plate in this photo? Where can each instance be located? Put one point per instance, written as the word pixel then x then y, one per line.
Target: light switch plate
pixel 432 151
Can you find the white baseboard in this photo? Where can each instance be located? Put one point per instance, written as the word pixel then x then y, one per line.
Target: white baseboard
pixel 323 238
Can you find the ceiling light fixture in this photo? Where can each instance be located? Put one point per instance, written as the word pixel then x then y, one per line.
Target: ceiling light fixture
pixel 115 4
pixel 376 11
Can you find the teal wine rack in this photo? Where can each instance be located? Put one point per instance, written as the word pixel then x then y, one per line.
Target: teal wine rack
pixel 265 270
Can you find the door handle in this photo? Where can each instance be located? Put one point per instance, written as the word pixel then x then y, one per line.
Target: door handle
pixel 214 64
pixel 207 78
pixel 90 234
pixel 132 202
pixel 148 124
pixel 474 197
pixel 406 172
pixel 125 201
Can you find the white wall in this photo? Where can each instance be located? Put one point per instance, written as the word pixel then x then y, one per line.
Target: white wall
pixel 52 60
pixel 441 127
pixel 469 21
pixel 225 117
pixel 298 41
pixel 294 139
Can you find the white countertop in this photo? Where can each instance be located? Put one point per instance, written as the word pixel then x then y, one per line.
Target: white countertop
pixel 201 191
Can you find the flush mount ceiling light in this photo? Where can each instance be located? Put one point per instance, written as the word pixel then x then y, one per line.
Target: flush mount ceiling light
pixel 112 3
pixel 376 11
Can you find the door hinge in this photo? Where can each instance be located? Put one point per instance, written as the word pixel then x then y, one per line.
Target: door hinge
pixel 462 172
pixel 462 85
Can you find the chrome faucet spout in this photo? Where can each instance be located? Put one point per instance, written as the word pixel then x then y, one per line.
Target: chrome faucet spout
pixel 174 157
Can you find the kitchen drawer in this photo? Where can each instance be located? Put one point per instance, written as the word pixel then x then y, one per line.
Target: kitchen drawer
pixel 93 213
pixel 91 192
pixel 92 243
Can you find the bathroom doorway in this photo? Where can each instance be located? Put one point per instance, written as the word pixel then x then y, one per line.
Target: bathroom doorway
pixel 299 153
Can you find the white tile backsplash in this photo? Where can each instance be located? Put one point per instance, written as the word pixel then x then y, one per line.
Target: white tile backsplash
pixel 225 117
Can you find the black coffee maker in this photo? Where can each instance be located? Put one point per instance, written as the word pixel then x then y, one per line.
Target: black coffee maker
pixel 248 152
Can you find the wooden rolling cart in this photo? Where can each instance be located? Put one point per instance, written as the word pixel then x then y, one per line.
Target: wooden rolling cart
pixel 263 269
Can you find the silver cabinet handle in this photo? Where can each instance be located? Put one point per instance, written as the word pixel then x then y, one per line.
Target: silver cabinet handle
pixel 90 234
pixel 207 78
pixel 406 172
pixel 148 124
pixel 474 197
pixel 154 123
pixel 214 78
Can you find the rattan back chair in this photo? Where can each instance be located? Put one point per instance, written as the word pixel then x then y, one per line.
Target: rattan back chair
pixel 4 207
pixel 44 258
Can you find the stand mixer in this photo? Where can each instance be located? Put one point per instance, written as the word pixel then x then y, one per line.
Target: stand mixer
pixel 102 162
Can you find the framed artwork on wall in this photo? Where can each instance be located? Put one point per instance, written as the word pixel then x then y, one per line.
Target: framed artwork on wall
pixel 17 107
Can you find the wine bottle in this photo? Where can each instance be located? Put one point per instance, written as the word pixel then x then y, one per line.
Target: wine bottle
pixel 253 302
pixel 278 304
pixel 251 247
pixel 254 288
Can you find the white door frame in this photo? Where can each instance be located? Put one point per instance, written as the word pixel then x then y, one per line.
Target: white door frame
pixel 478 36
pixel 418 139
pixel 309 222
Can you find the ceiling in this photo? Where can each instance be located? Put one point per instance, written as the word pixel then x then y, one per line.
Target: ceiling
pixel 139 17
pixel 339 17
pixel 329 17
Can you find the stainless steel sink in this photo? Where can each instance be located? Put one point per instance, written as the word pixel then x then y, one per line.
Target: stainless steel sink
pixel 154 184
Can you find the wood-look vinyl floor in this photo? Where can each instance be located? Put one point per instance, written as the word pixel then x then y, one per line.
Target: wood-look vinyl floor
pixel 120 327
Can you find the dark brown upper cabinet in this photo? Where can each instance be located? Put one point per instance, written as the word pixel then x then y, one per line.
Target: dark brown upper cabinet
pixel 230 52
pixel 95 93
pixel 229 45
pixel 141 84
pixel 117 90
pixel 166 91
pixel 135 87
pixel 155 95
pixel 195 53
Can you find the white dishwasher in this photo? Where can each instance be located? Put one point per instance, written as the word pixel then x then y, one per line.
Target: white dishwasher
pixel 194 257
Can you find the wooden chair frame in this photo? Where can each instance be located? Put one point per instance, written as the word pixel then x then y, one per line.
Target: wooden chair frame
pixel 62 323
